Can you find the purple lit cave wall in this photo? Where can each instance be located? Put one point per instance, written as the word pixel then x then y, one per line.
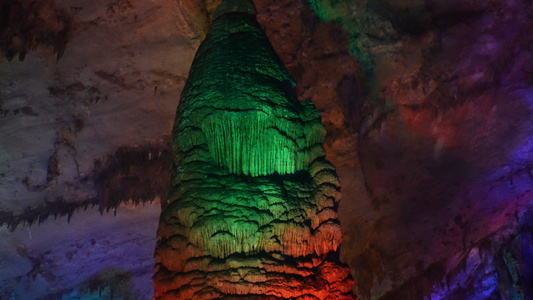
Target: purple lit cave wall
pixel 427 106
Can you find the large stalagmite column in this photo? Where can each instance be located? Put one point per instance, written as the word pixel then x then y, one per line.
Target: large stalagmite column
pixel 251 208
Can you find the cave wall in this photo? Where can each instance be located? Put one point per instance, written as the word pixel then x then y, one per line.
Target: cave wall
pixel 445 150
pixel 427 107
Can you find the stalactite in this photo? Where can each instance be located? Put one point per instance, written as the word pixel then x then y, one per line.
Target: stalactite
pixel 251 208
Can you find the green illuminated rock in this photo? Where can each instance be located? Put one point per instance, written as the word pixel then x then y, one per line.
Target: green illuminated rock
pixel 251 203
pixel 240 101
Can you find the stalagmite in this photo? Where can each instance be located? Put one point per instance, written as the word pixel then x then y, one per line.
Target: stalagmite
pixel 251 208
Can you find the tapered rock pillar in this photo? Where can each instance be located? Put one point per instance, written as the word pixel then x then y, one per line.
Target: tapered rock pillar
pixel 251 208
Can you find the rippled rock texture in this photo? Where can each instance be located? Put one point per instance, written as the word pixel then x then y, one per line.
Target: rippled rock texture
pixel 251 209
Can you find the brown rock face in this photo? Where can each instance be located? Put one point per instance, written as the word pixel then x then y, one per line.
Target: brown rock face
pixel 438 168
pixel 251 210
pixel 26 25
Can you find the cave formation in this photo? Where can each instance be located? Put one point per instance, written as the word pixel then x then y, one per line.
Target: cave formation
pixel 251 208
pixel 427 110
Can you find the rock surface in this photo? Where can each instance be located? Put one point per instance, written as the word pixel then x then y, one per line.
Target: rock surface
pixel 427 107
pixel 444 150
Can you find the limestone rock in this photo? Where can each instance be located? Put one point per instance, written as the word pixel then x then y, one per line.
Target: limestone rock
pixel 251 208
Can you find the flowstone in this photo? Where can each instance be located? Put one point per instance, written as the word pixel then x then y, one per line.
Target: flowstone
pixel 251 207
